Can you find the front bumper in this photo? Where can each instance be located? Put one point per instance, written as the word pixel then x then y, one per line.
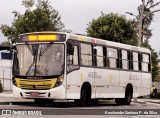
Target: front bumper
pixel 54 93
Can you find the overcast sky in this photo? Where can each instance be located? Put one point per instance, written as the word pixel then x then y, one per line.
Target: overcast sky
pixel 76 14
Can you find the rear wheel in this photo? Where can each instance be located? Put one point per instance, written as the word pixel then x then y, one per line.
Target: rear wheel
pixel 127 99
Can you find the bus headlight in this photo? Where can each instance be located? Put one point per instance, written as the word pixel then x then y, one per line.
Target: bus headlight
pixel 59 81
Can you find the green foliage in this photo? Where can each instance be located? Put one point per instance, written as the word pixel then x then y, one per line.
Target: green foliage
pixel 154 57
pixel 113 27
pixel 42 18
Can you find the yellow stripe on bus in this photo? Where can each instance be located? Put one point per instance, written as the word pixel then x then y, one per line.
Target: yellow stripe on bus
pixel 50 83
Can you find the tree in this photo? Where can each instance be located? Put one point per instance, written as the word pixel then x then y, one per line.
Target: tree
pixel 147 33
pixel 42 18
pixel 113 27
pixel 146 22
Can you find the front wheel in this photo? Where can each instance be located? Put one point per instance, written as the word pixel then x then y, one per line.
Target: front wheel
pixel 85 97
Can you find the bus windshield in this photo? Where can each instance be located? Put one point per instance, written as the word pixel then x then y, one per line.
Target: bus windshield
pixel 39 59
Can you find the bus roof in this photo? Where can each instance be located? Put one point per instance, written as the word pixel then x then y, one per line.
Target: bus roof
pixel 93 40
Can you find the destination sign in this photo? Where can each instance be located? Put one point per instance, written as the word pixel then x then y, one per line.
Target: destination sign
pixel 41 37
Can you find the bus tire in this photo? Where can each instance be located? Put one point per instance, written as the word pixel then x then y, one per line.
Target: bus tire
pixel 85 98
pixel 127 99
pixel 128 95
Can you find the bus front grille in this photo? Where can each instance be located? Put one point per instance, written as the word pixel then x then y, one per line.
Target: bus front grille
pixel 41 84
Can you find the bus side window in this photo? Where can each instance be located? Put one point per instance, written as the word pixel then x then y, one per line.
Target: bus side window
pixel 86 54
pixel 135 61
pixel 72 58
pixel 124 59
pixel 99 56
pixel 112 57
pixel 145 62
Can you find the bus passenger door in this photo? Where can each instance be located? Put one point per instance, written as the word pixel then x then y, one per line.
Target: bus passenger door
pixel 72 70
pixel 100 71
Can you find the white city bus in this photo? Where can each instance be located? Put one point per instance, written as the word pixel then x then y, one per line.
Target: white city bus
pixel 54 65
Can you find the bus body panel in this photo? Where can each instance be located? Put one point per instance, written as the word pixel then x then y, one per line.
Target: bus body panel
pixel 75 80
pixel 105 82
pixel 73 84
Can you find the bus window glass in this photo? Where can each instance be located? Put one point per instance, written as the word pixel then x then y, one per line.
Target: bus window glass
pixel 124 60
pixel 72 60
pixel 135 61
pixel 109 52
pixel 124 54
pixel 135 65
pixel 86 54
pixel 144 67
pixel 112 57
pixel 75 55
pixel 145 58
pixel 135 56
pixel 99 56
pixel 86 49
pixel 145 62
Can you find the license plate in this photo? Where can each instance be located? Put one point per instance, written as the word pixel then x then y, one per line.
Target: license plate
pixel 34 94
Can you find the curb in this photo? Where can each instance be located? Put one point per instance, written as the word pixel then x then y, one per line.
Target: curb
pixel 141 102
pixel 153 102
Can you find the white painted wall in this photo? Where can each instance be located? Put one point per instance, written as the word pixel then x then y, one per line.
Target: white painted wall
pixel 6 74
